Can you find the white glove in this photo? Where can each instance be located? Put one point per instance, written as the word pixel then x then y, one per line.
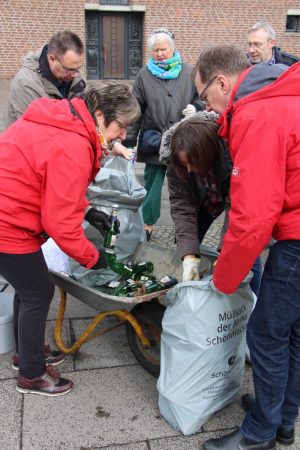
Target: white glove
pixel 189 110
pixel 191 269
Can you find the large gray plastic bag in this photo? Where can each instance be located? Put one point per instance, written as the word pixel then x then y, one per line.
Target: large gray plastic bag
pixel 115 184
pixel 202 352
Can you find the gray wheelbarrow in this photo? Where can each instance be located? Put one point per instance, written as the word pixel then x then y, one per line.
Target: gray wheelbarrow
pixel 141 314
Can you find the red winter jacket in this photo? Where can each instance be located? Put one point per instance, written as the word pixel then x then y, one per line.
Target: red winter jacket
pixel 47 160
pixel 263 132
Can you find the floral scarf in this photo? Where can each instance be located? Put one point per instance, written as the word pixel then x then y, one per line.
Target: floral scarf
pixel 169 69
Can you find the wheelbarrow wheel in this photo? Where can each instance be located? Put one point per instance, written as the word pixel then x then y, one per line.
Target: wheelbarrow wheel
pixel 149 315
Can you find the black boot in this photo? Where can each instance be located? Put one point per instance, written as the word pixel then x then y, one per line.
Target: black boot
pixel 236 441
pixel 247 401
pixel 285 436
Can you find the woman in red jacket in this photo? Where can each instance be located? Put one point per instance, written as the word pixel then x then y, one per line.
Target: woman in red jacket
pixel 47 159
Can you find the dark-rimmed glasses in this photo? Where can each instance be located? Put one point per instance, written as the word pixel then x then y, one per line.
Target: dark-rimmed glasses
pixel 204 100
pixel 69 69
pixel 121 126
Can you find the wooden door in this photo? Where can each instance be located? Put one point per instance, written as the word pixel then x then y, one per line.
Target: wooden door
pixel 114 45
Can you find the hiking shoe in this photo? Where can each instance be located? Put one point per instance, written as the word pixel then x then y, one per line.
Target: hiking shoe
pixel 53 357
pixel 49 383
pixel 285 436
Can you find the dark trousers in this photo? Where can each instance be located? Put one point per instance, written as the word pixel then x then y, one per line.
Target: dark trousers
pixel 28 275
pixel 204 222
pixel 273 337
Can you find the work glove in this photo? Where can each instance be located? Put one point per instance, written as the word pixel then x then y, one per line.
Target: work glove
pixel 189 110
pixel 98 219
pixel 191 269
pixel 102 261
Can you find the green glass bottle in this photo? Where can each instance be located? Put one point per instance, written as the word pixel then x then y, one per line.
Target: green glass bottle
pixel 110 236
pixel 143 267
pixel 159 285
pixel 117 266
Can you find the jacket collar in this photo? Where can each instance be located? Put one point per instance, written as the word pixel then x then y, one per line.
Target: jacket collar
pixel 225 118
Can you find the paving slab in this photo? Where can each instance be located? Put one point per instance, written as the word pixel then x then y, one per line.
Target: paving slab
pixel 193 442
pixel 10 416
pixel 108 350
pixel 137 446
pixel 107 407
pixel 74 307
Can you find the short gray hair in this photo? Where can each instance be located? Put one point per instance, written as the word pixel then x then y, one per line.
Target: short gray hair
pixel 158 35
pixel 114 99
pixel 263 26
pixel 63 41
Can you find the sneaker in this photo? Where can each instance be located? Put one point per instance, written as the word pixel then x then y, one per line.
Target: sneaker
pixel 49 383
pixel 53 357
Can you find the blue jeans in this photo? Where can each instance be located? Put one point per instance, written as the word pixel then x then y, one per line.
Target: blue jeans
pixel 257 272
pixel 273 337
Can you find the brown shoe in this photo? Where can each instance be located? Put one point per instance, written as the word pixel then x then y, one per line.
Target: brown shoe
pixel 52 357
pixel 49 383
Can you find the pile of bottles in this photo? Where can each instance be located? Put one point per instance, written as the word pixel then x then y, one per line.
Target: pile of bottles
pixel 136 279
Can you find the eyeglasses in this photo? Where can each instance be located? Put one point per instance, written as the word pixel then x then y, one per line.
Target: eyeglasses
pixel 255 44
pixel 121 126
pixel 204 100
pixel 69 69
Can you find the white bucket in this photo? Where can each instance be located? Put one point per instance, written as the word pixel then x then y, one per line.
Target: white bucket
pixel 7 340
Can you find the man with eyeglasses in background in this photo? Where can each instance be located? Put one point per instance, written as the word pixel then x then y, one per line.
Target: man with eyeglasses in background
pixel 261 46
pixel 52 72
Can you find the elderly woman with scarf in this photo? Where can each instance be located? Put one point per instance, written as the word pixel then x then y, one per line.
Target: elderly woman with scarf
pixel 165 91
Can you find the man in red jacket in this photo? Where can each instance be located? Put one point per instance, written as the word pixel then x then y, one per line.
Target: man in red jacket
pixel 260 120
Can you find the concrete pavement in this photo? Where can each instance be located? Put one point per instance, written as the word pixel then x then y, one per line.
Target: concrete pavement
pixel 114 403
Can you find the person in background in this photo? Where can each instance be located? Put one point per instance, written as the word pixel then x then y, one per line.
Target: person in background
pixel 261 46
pixel 51 72
pixel 265 202
pixel 47 159
pixel 198 173
pixel 166 92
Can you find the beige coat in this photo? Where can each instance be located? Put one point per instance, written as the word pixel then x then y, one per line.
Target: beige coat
pixel 29 84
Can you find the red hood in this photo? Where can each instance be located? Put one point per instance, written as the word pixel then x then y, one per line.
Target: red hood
pixel 57 113
pixel 286 84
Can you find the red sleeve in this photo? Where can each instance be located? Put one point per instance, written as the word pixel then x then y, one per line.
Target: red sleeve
pixel 256 194
pixel 67 176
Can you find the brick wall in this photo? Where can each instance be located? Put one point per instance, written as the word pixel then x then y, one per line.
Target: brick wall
pixel 28 24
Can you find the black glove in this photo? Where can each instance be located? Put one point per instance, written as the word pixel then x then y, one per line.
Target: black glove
pixel 102 261
pixel 98 219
